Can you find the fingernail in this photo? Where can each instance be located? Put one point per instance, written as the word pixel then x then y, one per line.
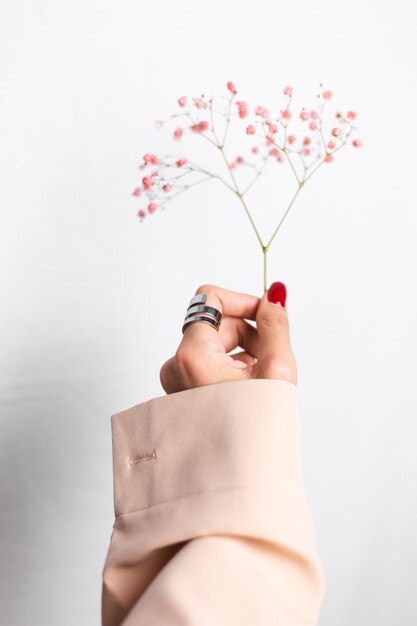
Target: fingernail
pixel 277 293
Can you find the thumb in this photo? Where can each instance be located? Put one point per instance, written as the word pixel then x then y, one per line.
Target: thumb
pixel 275 359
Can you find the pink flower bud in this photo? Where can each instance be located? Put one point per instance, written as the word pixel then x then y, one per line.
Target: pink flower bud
pixel 286 114
pixel 304 115
pixel 274 152
pixel 137 192
pixel 305 151
pixel 288 91
pixel 261 111
pixel 273 129
pixel 199 104
pixel 312 126
pixel 141 214
pixel 327 95
pixel 239 160
pixel 166 187
pixel 335 132
pixel 178 132
pixel 306 141
pixel 181 162
pixel 358 143
pixel 251 130
pixel 199 127
pixel 152 206
pixel 147 182
pixel 351 115
pixel 150 159
pixel 328 158
pixel 231 87
pixel 242 108
pixel 314 115
pixel 331 145
pixel 254 150
pixel 182 101
pixel 291 139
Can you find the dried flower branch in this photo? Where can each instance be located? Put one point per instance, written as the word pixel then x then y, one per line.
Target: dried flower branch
pixel 166 176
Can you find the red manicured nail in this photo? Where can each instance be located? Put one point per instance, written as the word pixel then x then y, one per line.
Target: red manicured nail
pixel 277 293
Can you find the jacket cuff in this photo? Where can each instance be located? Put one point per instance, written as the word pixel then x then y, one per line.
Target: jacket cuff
pixel 219 459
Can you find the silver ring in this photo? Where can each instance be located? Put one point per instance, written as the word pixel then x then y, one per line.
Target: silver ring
pixel 199 312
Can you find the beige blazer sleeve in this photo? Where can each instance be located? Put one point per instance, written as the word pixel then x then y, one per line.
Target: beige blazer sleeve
pixel 212 524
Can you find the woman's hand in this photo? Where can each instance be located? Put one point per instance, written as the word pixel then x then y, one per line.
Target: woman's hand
pixel 202 359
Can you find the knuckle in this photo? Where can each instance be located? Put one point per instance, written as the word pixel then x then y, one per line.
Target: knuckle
pixel 182 357
pixel 277 318
pixel 283 369
pixel 205 288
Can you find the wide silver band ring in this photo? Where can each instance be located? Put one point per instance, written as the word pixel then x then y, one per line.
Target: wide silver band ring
pixel 199 312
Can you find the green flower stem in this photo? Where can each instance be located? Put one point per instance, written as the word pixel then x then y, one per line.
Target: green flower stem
pixel 265 250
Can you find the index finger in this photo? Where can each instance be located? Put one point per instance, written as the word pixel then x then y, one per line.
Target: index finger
pixel 233 303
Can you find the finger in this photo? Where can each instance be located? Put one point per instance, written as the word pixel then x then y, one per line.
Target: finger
pixel 235 332
pixel 234 303
pixel 272 324
pixel 244 357
pixel 229 303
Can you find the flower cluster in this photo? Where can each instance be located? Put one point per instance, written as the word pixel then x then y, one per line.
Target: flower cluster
pixel 272 138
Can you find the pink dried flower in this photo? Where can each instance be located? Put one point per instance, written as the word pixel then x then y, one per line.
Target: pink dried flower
pixel 178 133
pixel 150 159
pixel 231 87
pixel 147 182
pixel 303 159
pixel 199 104
pixel 242 108
pixel 261 111
pixel 199 127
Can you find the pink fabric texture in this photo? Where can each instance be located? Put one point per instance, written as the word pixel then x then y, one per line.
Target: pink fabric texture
pixel 212 523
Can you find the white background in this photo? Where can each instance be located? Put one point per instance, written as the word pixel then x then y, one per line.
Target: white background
pixel 92 302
